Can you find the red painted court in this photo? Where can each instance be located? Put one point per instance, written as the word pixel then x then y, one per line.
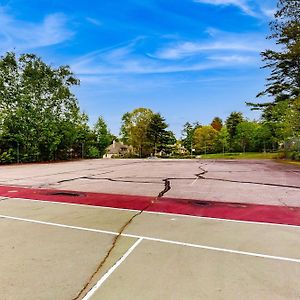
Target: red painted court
pixel 201 208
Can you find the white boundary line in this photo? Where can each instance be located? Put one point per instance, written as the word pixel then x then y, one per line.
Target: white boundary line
pixel 295 260
pixel 158 213
pixel 111 270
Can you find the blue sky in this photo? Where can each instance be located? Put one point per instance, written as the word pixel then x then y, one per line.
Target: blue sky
pixel 190 60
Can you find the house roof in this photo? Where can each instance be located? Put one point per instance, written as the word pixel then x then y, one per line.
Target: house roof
pixel 116 148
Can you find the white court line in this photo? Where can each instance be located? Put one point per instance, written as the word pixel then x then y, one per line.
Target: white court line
pixel 156 240
pixel 194 181
pixel 158 213
pixel 110 271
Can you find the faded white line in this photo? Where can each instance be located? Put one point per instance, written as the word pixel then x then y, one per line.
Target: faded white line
pixel 194 181
pixel 159 213
pixel 58 225
pixel 111 270
pixel 295 260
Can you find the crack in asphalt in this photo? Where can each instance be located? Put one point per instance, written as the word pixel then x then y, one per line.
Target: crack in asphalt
pixel 71 171
pixel 198 175
pixel 167 187
pixel 252 182
pixel 106 178
pixel 285 205
pixel 203 172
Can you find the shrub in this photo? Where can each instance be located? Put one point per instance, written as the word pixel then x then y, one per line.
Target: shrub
pixel 93 152
pixel 7 156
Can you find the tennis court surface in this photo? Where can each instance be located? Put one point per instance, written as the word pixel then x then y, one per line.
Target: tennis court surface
pixel 150 229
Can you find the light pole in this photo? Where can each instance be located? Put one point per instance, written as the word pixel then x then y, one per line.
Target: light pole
pixel 18 152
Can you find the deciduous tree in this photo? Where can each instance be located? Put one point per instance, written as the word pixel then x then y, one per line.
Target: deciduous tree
pixel 205 138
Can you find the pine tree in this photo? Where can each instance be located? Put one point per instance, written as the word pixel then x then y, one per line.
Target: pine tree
pixel 283 84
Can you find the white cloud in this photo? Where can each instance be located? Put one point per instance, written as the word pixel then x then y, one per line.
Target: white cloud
pixel 188 49
pixel 94 21
pixel 269 12
pixel 186 56
pixel 21 35
pixel 241 4
pixel 255 8
pixel 240 59
pixel 218 41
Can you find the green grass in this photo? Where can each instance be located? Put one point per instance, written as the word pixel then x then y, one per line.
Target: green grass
pixel 247 155
pixel 290 162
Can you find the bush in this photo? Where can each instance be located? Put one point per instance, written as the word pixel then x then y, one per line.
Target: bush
pixel 93 152
pixel 296 156
pixel 293 155
pixel 7 156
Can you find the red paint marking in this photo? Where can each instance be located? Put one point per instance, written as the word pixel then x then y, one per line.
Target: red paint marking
pixel 222 210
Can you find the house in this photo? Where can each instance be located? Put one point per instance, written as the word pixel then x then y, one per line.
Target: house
pixel 117 149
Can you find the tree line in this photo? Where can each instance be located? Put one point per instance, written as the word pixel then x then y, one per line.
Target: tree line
pixel 282 113
pixel 236 134
pixel 280 120
pixel 40 118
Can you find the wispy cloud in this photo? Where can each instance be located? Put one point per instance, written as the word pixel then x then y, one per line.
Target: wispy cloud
pixel 217 42
pixel 94 21
pixel 22 35
pixel 239 59
pixel 187 49
pixel 268 11
pixel 231 50
pixel 241 4
pixel 254 8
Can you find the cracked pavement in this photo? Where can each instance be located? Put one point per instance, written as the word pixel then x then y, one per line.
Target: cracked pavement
pixel 255 181
pixel 264 182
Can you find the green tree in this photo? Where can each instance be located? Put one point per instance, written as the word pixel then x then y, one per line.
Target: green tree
pixel 168 142
pixel 103 136
pixel 222 140
pixel 134 129
pixel 264 138
pixel 156 132
pixel 284 81
pixel 188 133
pixel 36 106
pixel 283 84
pixel 205 138
pixel 245 135
pixel 234 119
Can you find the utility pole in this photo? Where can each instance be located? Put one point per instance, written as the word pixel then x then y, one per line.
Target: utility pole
pixel 18 152
pixel 82 149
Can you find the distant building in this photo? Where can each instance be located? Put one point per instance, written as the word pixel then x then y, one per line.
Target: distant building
pixel 117 149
